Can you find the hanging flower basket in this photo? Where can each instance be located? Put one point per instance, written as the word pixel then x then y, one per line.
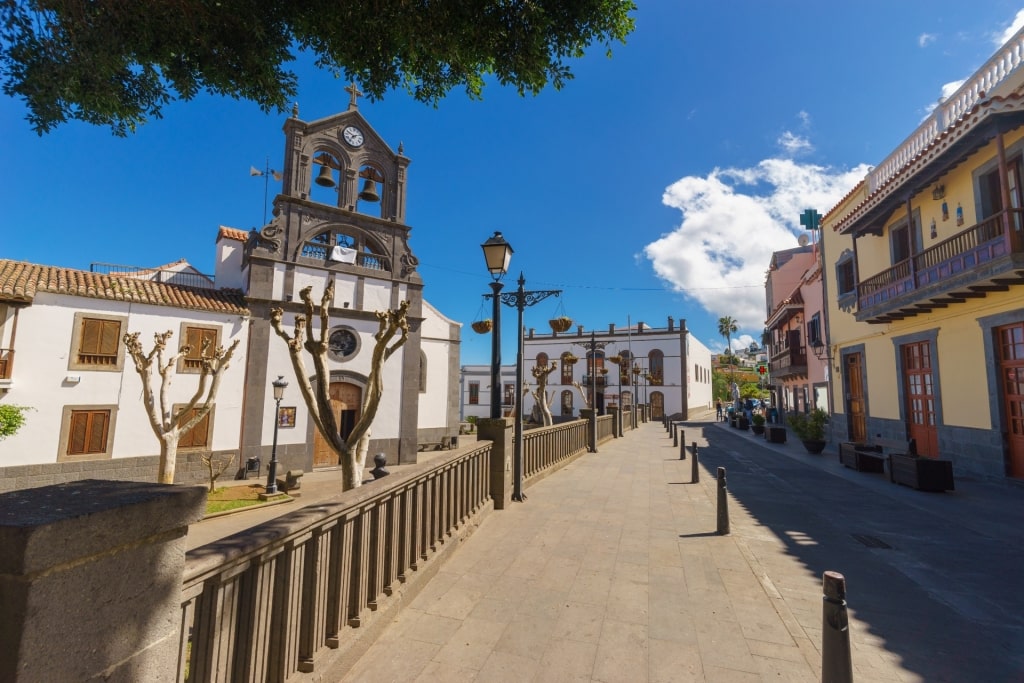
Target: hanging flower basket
pixel 482 326
pixel 569 359
pixel 560 324
pixel 604 371
pixel 615 359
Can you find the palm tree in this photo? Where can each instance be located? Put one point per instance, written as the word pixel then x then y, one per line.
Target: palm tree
pixel 726 327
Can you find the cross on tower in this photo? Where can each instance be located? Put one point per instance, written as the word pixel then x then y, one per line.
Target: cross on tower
pixel 354 94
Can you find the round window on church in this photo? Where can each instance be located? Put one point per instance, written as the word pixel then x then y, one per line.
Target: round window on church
pixel 342 344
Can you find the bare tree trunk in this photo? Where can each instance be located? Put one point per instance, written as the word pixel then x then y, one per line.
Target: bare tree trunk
pixel 351 452
pixel 163 419
pixel 541 374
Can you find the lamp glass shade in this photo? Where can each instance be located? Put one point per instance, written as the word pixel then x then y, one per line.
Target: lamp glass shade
pixel 279 385
pixel 497 254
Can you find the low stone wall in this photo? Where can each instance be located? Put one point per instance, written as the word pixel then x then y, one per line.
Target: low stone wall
pixel 189 470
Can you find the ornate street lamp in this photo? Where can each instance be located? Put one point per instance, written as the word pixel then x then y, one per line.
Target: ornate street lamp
pixel 497 255
pixel 279 385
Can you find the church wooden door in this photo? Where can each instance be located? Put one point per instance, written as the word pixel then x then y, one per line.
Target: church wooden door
pixel 346 400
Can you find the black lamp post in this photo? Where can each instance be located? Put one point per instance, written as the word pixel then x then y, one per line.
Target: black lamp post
pixel 279 385
pixel 497 254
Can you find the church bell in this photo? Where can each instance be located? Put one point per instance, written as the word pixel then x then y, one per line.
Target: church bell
pixel 369 193
pixel 326 178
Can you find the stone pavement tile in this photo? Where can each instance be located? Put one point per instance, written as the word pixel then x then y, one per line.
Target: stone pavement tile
pixel 719 674
pixel 671 622
pixel 591 587
pixel 429 628
pixel 579 621
pixel 673 662
pixel 502 667
pixel 438 672
pixel 723 645
pixel 559 574
pixel 382 664
pixel 471 645
pixel 628 602
pixel 541 604
pixel 526 638
pixel 596 561
pixel 567 661
pixel 622 653
pixel 435 589
pixel 764 648
pixel 628 571
pixel 772 669
pixel 489 609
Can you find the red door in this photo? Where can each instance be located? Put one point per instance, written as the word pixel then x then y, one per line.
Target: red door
pixel 855 413
pixel 918 387
pixel 1010 342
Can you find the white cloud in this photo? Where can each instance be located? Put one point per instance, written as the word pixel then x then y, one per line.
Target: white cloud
pixel 794 144
pixel 947 90
pixel 1018 21
pixel 925 39
pixel 805 119
pixel 732 221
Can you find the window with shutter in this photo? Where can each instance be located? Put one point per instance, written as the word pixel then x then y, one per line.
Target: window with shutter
pixel 199 435
pixel 88 432
pixel 99 340
pixel 195 337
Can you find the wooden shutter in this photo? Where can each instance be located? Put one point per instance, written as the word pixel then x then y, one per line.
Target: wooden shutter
pixel 98 345
pixel 199 435
pixel 194 337
pixel 87 432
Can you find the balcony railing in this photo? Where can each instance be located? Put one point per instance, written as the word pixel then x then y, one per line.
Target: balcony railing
pixel 6 363
pixel 944 267
pixel 602 380
pixel 319 250
pixel 167 276
pixel 787 361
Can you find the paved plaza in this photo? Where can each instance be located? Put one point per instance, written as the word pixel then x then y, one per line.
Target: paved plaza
pixel 611 570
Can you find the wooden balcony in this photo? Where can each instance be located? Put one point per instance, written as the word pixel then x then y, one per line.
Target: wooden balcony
pixel 987 257
pixel 788 361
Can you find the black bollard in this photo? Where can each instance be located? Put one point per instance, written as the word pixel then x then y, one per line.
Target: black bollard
pixel 378 472
pixel 836 664
pixel 682 449
pixel 723 504
pixel 695 473
pixel 675 436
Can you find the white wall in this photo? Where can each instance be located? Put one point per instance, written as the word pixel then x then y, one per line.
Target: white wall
pixel 43 381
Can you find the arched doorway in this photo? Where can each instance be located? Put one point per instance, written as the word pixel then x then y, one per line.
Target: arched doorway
pixel 657 405
pixel 346 400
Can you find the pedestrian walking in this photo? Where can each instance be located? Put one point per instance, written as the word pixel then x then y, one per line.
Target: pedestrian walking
pixel 718 409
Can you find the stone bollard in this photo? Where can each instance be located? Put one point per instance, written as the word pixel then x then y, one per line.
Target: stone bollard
pixel 378 472
pixel 695 473
pixel 836 664
pixel 723 504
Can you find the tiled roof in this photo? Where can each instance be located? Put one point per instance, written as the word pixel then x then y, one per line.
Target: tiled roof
pixel 232 234
pixel 20 282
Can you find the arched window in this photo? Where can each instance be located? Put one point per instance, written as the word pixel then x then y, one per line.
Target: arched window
pixel 566 369
pixel 542 359
pixel 566 402
pixel 656 360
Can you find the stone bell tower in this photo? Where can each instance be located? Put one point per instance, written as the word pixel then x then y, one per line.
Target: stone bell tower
pixel 340 217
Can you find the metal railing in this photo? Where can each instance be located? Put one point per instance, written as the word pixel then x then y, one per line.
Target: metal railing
pixel 320 251
pixel 165 276
pixel 997 236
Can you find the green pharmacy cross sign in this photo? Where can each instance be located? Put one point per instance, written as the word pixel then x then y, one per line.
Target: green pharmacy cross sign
pixel 810 219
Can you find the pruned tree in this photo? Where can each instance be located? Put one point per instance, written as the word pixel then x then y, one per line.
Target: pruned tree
pixel 166 422
pixel 391 324
pixel 583 393
pixel 540 394
pixel 118 64
pixel 215 467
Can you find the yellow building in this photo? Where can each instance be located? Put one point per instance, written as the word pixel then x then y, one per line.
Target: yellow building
pixel 925 283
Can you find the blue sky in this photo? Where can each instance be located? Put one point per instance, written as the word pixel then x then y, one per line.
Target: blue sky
pixel 656 184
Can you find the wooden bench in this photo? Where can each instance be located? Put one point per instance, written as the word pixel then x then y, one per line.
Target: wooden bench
pixel 862 457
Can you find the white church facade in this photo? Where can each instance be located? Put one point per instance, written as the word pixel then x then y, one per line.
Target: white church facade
pixel 338 219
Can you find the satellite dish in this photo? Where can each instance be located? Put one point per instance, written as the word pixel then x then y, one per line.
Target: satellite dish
pixel 802 240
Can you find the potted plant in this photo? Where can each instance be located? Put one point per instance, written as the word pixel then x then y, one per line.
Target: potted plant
pixel 560 324
pixel 757 423
pixel 482 326
pixel 809 428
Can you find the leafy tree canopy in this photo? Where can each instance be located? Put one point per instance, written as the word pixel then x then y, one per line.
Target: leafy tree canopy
pixel 115 63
